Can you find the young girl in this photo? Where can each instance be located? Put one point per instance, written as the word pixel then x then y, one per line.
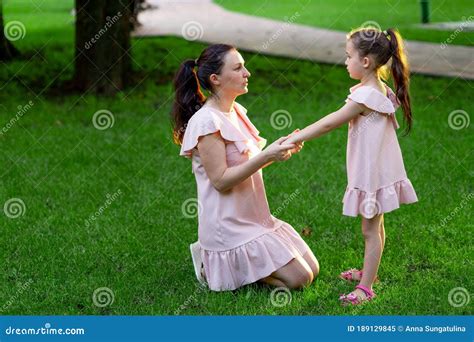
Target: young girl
pixel 377 181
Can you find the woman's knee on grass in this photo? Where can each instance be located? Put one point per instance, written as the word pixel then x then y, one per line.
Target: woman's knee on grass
pixel 312 262
pixel 296 274
pixel 299 281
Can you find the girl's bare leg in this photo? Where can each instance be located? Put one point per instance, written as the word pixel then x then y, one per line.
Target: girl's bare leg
pixel 371 230
pixel 355 275
pixel 382 232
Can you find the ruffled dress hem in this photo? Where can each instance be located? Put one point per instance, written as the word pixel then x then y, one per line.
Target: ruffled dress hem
pixel 368 204
pixel 230 269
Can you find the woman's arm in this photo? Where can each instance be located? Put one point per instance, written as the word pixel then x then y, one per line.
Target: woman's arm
pixel 331 121
pixel 213 156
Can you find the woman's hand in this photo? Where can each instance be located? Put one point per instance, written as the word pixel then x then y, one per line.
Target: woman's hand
pixel 279 150
pixel 299 144
pixel 212 151
pixel 298 147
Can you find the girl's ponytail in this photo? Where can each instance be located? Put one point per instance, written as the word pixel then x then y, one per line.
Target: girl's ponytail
pixel 401 75
pixel 188 98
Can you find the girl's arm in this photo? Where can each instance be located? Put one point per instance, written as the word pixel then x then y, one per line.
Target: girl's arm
pixel 331 121
pixel 213 156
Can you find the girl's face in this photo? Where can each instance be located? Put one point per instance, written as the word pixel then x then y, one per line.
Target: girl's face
pixel 356 66
pixel 233 79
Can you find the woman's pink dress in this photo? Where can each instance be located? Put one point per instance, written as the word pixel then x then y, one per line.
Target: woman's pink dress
pixel 241 241
pixel 377 180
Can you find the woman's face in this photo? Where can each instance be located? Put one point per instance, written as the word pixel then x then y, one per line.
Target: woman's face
pixel 233 78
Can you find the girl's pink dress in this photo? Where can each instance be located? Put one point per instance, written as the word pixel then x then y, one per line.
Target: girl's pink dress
pixel 241 241
pixel 377 181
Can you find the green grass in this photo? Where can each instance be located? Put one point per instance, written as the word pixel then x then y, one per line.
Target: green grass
pixel 63 168
pixel 344 15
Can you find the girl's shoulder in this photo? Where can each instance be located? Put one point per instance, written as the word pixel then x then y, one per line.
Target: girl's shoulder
pixel 374 99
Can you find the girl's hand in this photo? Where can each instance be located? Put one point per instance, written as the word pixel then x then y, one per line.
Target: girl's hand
pixel 279 150
pixel 298 145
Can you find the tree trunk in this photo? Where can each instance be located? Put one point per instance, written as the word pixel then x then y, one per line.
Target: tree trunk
pixel 102 57
pixel 7 50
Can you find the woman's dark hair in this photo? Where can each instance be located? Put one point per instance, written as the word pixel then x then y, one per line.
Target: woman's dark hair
pixel 383 46
pixel 190 81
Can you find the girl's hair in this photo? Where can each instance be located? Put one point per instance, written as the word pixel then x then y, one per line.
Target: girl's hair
pixel 189 83
pixel 383 46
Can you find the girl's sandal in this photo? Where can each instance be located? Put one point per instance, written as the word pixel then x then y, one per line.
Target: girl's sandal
pixel 353 299
pixel 349 275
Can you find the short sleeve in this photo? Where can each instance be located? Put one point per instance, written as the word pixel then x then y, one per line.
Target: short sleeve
pixel 242 111
pixel 206 121
pixel 373 99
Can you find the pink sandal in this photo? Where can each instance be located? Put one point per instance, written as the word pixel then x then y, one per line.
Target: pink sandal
pixel 356 300
pixel 349 275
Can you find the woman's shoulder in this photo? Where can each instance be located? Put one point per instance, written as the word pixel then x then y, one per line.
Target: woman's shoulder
pixel 205 115
pixel 205 112
pixel 203 122
pixel 209 115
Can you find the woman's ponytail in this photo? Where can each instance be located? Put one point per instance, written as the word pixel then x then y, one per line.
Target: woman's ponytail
pixel 401 75
pixel 188 98
pixel 190 81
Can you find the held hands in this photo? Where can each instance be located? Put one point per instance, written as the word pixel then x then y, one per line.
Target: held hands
pixel 281 150
pixel 291 141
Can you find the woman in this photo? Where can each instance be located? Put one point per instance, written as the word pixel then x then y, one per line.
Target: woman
pixel 240 242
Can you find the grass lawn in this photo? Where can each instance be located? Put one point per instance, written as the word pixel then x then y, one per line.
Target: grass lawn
pixel 64 169
pixel 344 15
